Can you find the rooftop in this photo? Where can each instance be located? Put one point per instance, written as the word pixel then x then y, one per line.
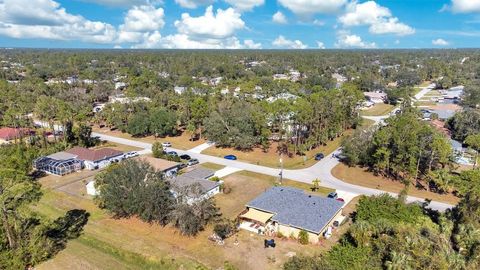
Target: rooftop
pixel 293 207
pixel 7 133
pixel 159 164
pixel 62 156
pixel 93 155
pixel 196 176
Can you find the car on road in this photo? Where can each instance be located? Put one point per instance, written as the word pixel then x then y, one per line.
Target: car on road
pixel 230 157
pixel 182 165
pixel 185 157
pixel 166 144
pixel 192 162
pixel 131 154
pixel 319 156
pixel 332 195
pixel 172 153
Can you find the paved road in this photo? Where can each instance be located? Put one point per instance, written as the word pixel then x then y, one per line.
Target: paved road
pixel 321 170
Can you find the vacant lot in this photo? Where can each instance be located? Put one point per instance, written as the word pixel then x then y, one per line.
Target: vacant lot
pixel 181 142
pixel 378 110
pixel 362 177
pixel 132 244
pixel 212 166
pixel 119 147
pixel 271 158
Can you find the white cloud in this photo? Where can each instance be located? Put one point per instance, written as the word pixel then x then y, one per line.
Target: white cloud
pixel 46 19
pixel 250 44
pixel 210 25
pixel 440 42
pixel 144 18
pixel 310 7
pixel 209 31
pixel 193 3
pixel 245 5
pixel 318 22
pixel 278 17
pixel 379 19
pixel 320 45
pixel 464 6
pixel 122 3
pixel 347 40
pixel 282 42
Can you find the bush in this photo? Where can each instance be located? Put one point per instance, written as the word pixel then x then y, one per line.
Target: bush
pixel 224 228
pixel 226 189
pixel 280 235
pixel 215 179
pixel 303 237
pixel 157 150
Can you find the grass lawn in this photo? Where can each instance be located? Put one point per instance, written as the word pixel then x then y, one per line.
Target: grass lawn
pixel 378 109
pixel 360 176
pixel 366 123
pixel 212 166
pixel 272 159
pixel 108 243
pixel 424 103
pixel 181 142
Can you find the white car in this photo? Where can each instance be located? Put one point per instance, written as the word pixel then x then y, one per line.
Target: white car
pixel 166 144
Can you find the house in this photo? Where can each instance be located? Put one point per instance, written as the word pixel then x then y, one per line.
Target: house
pixel 7 134
pixel 179 89
pixel 169 168
pixel 376 97
pixel 339 78
pixel 60 163
pixel 120 85
pixel 96 159
pixel 126 100
pixel 288 211
pixel 198 176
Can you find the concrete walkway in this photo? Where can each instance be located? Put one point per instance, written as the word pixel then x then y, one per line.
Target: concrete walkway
pixel 201 147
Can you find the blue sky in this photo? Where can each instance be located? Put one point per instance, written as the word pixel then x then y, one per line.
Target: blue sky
pixel 240 24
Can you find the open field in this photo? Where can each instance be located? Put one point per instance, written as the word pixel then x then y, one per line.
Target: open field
pixel 378 110
pixel 181 142
pixel 109 243
pixel 272 158
pixel 424 103
pixel 360 176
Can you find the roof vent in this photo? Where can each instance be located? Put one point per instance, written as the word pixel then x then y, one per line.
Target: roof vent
pixel 309 196
pixel 281 189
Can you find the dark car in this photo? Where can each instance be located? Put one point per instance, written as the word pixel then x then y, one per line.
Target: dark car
pixel 319 156
pixel 185 157
pixel 332 195
pixel 230 157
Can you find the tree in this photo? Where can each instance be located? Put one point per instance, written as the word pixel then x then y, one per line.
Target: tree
pixel 473 141
pixel 83 134
pixel 303 237
pixel 138 124
pixel 142 190
pixel 192 212
pixel 162 123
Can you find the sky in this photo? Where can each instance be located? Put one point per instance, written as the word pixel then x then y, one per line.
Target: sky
pixel 240 24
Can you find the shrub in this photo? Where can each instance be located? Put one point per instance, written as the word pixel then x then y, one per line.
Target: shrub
pixel 215 179
pixel 280 235
pixel 224 228
pixel 303 237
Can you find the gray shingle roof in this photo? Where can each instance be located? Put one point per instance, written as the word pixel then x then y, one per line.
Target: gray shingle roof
pixel 184 181
pixel 201 173
pixel 293 207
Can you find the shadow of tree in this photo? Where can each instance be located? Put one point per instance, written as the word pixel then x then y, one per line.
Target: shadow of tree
pixel 66 228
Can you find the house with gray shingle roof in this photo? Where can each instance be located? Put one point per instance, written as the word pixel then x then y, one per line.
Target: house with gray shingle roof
pixel 197 177
pixel 288 211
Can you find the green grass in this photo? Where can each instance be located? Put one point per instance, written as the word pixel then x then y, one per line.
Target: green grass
pixel 212 166
pixel 378 110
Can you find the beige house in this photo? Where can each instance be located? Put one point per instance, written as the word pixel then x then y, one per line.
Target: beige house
pixel 289 211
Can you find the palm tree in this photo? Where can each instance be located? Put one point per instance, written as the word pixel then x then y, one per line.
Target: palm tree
pixel 398 261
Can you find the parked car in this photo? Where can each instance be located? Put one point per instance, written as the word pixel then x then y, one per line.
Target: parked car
pixel 332 195
pixel 192 162
pixel 172 153
pixel 166 144
pixel 340 199
pixel 319 156
pixel 131 154
pixel 182 165
pixel 230 157
pixel 185 157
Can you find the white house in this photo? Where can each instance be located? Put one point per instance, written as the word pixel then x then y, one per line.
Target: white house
pixel 376 97
pixel 179 89
pixel 96 159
